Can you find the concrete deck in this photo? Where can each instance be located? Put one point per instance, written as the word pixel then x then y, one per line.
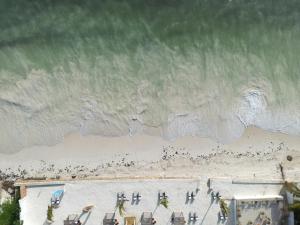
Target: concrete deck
pixel 103 195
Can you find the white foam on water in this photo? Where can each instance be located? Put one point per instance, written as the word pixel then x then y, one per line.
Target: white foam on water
pixel 35 113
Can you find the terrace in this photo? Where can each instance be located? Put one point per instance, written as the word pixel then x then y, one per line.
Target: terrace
pixel 138 201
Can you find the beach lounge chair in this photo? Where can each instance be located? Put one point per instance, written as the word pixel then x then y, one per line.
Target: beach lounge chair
pixel 190 196
pixel 162 195
pixel 121 197
pixel 130 220
pixel 56 198
pixel 221 216
pixel 72 219
pixel 147 219
pixel 136 196
pixel 178 218
pixel 193 217
pixel 109 219
pixel 214 195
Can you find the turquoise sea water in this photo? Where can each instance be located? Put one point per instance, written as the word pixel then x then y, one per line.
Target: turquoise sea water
pixel 163 67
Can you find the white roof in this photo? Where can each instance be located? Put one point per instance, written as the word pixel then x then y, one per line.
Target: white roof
pixel 262 197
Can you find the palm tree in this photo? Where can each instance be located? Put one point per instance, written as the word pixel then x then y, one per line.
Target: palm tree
pixel 295 206
pixel 164 202
pixel 50 213
pixel 121 207
pixel 224 207
pixel 292 187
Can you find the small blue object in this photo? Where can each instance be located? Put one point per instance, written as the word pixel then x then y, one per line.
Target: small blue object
pixel 56 197
pixel 57 194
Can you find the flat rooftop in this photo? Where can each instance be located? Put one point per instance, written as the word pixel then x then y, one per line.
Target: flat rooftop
pixel 259 211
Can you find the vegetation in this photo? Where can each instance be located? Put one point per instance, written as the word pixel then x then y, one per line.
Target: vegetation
pixel 50 213
pixel 121 207
pixel 297 217
pixel 164 202
pixel 295 207
pixel 10 212
pixel 292 187
pixel 224 207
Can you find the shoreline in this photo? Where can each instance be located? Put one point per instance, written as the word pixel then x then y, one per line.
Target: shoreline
pixel 256 154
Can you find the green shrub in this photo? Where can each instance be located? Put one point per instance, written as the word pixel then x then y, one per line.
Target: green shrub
pixel 10 212
pixel 50 213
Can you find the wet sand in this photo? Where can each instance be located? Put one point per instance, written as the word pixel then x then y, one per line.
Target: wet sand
pixel 257 154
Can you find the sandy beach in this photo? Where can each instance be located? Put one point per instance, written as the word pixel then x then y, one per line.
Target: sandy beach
pixel 257 154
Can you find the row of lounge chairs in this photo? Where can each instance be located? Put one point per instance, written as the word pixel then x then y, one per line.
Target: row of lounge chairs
pixel 136 196
pixel 146 219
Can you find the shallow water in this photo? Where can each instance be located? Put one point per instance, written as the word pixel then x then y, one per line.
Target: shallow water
pixel 170 68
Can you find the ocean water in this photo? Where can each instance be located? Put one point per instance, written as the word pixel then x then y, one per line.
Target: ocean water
pixel 173 68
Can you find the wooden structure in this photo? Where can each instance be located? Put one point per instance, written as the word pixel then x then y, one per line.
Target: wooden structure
pixel 178 218
pixel 130 220
pixel 109 219
pixel 147 218
pixel 72 219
